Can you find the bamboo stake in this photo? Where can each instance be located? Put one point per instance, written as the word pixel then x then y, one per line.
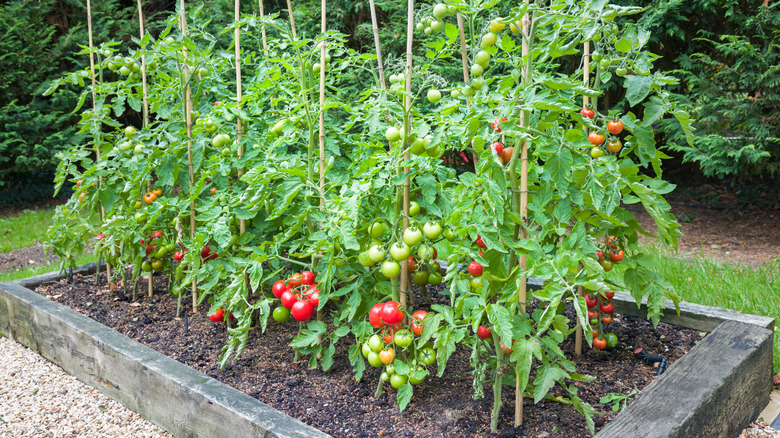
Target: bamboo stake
pixel 94 111
pixel 376 44
pixel 292 20
pixel 323 65
pixel 522 298
pixel 465 58
pixel 585 81
pixel 188 121
pixel 407 130
pixel 262 29
pixel 239 123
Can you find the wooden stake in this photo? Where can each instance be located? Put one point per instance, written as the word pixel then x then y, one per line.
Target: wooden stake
pixel 465 58
pixel 262 29
pixel 408 130
pixel 292 20
pixel 585 80
pixel 239 123
pixel 188 121
pixel 522 298
pixel 323 65
pixel 376 44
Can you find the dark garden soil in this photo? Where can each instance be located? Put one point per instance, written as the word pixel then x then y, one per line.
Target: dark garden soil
pixel 335 403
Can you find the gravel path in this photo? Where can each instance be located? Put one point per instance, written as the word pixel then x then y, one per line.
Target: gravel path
pixel 38 399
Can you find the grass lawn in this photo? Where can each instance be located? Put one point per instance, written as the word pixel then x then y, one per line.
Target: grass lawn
pixel 24 230
pixel 742 288
pixel 29 272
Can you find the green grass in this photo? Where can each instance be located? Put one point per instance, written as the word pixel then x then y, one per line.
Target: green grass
pixel 754 290
pixel 29 272
pixel 24 230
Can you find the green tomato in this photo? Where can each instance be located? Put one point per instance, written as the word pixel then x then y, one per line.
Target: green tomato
pixel 441 10
pixel 399 251
pixel 374 360
pixel 146 266
pixel 418 146
pixel 414 209
pixel 596 152
pixel 365 260
pixel 412 236
pixel 427 356
pixel 417 380
pixel 375 343
pixel 424 252
pixel 476 284
pixel 403 338
pixel 432 230
pixel 434 96
pixel 365 349
pixel 397 381
pixel 384 376
pixel 476 70
pixel 420 278
pixel 621 71
pixel 376 230
pixel 434 279
pixel 483 58
pixel 611 339
pixel 478 83
pixel 391 269
pixel 488 40
pixel 392 134
pixel 456 93
pixel 130 131
pixel 376 253
pixel 437 26
pixel 596 57
pixel 449 235
pixel 281 314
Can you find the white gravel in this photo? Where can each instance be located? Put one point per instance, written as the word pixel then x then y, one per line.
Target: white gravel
pixel 38 399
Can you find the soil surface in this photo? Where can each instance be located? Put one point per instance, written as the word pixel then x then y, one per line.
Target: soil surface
pixel 335 403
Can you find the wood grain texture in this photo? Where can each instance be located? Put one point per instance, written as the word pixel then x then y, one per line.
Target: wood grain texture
pixel 183 401
pixel 715 390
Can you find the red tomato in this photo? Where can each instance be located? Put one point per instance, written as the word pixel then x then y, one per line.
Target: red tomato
pixel 100 236
pixel 587 112
pixel 288 299
pixel 480 243
pixel 302 310
pixel 390 313
pixel 595 138
pixel 218 316
pixel 417 324
pixel 375 315
pixel 483 332
pixel 496 124
pixel 615 127
pixel 475 269
pixel 616 256
pixel 611 242
pixel 590 300
pixel 411 264
pixel 609 295
pixel 606 319
pixel 498 147
pixel 599 343
pixel 592 314
pixel 607 308
pixel 599 254
pixel 294 281
pixel 278 288
pixel 307 277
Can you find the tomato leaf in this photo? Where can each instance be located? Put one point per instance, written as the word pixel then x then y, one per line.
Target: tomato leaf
pixel 637 88
pixel 404 396
pixel 546 376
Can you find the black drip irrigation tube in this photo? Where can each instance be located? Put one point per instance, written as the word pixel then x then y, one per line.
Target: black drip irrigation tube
pixel 651 359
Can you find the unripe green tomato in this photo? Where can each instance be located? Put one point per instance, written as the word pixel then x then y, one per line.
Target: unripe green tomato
pixel 365 349
pixel 135 68
pixel 420 278
pixel 412 236
pixel 469 91
pixel 449 235
pixel 605 63
pixel 316 68
pixel 432 230
pixel 596 57
pixel 453 9
pixel 327 60
pixel 437 26
pixel 434 279
pixel 397 381
pixel 391 269
pixel 434 151
pixel 476 70
pixel 427 31
pixel 420 27
pixel 384 376
pixel 203 72
pixel 364 260
pixel 418 146
pixel 399 251
pixel 376 230
pixel 488 40
pixel 376 253
pixel 375 343
pixel 483 58
pixel 434 96
pixel 130 131
pixel 414 380
pixel 414 209
pixel 138 149
pixel 440 10
pixel 281 314
pixel 456 93
pixel 596 152
pixel 392 134
pixel 146 266
pixel 374 360
pixel 477 83
pixel 621 71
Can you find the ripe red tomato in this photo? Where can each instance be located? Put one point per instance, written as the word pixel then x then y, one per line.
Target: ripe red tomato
pixel 375 315
pixel 590 300
pixel 475 269
pixel 609 295
pixel 498 147
pixel 218 316
pixel 599 254
pixel 611 242
pixel 607 308
pixel 616 256
pixel 479 242
pixel 417 324
pixel 615 127
pixel 390 313
pixel 411 264
pixel 506 154
pixel 302 310
pixel 606 319
pixel 100 236
pixel 179 255
pixel 389 332
pixel 278 288
pixel 496 124
pixel 483 332
pixel 595 138
pixel 294 281
pixel 599 343
pixel 587 112
pixel 288 299
pixel 307 277
pixel 592 314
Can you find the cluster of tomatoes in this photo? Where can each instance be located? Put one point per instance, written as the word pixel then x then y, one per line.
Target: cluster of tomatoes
pixel 380 349
pixel 299 295
pixel 219 316
pixel 156 252
pixel 598 140
pixel 600 310
pixel 424 268
pixel 613 254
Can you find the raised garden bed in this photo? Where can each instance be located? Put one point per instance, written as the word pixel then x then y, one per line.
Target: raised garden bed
pixel 737 382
